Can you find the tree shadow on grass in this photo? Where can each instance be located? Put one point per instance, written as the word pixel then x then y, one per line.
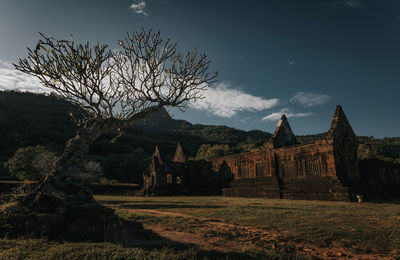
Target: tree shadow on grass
pixel 150 240
pixel 141 201
pixel 131 237
pixel 122 202
pixel 162 204
pixel 166 206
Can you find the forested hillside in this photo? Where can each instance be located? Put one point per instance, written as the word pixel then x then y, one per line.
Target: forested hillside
pixel 28 119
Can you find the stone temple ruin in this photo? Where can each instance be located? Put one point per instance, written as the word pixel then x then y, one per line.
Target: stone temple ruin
pixel 181 176
pixel 327 169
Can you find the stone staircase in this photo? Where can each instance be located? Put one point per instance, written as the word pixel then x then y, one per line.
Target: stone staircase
pixel 310 188
pixel 314 188
pixel 266 187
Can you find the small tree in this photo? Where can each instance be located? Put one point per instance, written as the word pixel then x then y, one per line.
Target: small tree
pixel 365 151
pixel 113 89
pixel 206 151
pixel 31 163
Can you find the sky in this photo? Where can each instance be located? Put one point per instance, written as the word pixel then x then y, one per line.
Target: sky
pixel 298 58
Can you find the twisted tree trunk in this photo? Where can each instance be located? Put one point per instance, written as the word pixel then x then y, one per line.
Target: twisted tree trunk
pixel 74 157
pixel 59 206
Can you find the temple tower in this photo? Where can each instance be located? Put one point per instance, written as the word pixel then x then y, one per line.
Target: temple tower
pixel 283 136
pixel 155 171
pixel 157 155
pixel 344 148
pixel 179 156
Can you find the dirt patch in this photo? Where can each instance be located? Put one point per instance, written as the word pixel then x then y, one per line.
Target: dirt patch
pixel 219 235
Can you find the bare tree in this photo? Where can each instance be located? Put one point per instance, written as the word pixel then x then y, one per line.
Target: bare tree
pixel 118 88
pixel 114 89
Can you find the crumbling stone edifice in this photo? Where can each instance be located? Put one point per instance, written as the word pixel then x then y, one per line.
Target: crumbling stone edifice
pixel 327 169
pixel 181 176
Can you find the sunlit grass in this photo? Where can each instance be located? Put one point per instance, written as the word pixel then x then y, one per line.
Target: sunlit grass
pixel 44 249
pixel 362 228
pixel 34 248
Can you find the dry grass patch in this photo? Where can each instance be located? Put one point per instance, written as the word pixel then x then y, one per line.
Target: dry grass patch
pixel 367 228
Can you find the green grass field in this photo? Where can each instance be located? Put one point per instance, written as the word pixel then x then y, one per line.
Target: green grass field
pixel 236 228
pixel 362 228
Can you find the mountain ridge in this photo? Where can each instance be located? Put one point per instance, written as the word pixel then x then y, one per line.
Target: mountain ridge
pixel 29 119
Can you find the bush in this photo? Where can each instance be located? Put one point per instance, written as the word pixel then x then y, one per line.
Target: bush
pixel 31 163
pixel 91 173
pixel 207 151
pixel 365 151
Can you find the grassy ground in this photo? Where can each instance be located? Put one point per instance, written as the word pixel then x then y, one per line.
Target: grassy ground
pixel 361 228
pixel 42 248
pixel 236 226
pixel 30 248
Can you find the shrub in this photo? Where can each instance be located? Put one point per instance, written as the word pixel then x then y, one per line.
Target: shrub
pixel 206 151
pixel 31 163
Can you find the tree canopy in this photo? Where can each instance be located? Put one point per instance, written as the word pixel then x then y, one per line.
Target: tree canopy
pixel 115 88
pixel 145 72
pixel 31 163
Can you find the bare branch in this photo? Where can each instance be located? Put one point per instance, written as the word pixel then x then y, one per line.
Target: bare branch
pixel 145 72
pixel 115 89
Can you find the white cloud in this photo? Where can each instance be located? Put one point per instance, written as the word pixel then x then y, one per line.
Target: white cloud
pixel 12 79
pixel 223 101
pixel 139 7
pixel 309 99
pixel 277 115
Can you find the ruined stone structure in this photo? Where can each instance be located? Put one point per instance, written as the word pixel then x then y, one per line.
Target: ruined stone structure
pixel 327 169
pixel 180 176
pixel 324 170
pixel 382 179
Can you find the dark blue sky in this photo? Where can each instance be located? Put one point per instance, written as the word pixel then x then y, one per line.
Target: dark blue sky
pixel 301 58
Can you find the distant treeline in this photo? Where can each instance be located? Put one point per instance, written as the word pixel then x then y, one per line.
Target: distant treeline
pixel 28 119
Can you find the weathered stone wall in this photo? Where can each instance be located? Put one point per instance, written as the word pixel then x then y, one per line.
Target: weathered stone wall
pixel 314 188
pixel 302 161
pixel 376 171
pixel 257 163
pixel 296 172
pixel 299 161
pixel 183 177
pixel 323 170
pixel 265 187
pixel 309 172
pixel 382 179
